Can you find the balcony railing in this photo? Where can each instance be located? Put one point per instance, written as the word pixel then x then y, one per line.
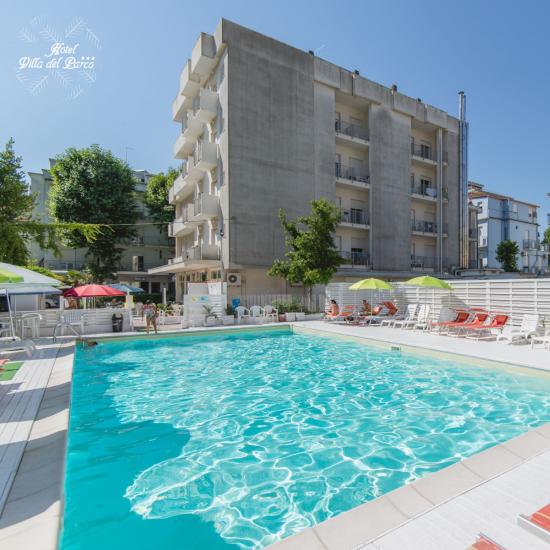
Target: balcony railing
pixel 351 173
pixel 427 262
pixel 424 190
pixel 354 216
pixel 423 226
pixel 423 151
pixel 201 252
pixel 350 129
pixel 355 258
pixel 533 244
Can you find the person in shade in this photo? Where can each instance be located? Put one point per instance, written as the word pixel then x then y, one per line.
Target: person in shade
pixel 150 312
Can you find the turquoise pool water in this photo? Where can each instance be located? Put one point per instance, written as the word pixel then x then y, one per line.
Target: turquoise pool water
pixel 238 440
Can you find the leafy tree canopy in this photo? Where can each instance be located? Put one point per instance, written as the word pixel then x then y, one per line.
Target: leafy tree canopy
pixel 546 238
pixel 312 257
pixel 17 227
pixel 93 186
pixel 507 252
pixel 156 197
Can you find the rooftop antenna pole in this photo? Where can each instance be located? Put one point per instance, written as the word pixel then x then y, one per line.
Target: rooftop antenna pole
pixel 463 180
pixel 126 152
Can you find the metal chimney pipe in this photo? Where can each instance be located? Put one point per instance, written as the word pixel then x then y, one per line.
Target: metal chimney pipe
pixel 463 181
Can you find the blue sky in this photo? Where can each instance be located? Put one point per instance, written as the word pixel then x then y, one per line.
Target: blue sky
pixel 497 51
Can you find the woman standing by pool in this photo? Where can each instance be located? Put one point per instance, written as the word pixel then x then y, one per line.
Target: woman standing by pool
pixel 150 311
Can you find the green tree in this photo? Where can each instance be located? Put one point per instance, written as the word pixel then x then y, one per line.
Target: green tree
pixel 93 186
pixel 16 206
pixel 507 252
pixel 546 237
pixel 312 258
pixel 156 197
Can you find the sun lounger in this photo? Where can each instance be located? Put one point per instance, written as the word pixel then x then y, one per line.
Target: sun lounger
pixel 481 319
pixel 398 320
pixel 483 542
pixel 537 523
pixel 462 316
pixel 345 313
pixel 379 313
pixel 528 328
pixel 10 345
pixel 423 321
pixel 487 330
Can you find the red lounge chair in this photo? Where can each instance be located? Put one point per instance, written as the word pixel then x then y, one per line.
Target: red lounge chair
pixel 498 322
pixel 481 319
pixel 537 523
pixel 483 542
pixel 462 316
pixel 345 312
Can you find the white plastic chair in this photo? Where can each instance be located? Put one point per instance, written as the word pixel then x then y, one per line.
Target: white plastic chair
pixel 242 313
pixel 31 322
pixel 10 345
pixel 527 329
pixel 271 313
pixel 543 339
pixel 410 314
pixel 71 320
pixel 257 314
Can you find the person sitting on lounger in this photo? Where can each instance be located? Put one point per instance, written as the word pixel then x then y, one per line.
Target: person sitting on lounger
pixel 334 309
pixel 366 309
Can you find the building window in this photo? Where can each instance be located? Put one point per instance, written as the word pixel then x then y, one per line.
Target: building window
pixel 137 263
pixel 155 288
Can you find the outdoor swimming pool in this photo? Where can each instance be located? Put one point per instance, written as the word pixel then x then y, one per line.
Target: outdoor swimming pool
pixel 237 440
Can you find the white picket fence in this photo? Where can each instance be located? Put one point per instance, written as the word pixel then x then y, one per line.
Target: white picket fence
pixel 317 302
pixel 514 297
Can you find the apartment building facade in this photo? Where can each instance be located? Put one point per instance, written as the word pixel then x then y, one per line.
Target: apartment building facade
pixel 500 218
pixel 267 126
pixel 149 248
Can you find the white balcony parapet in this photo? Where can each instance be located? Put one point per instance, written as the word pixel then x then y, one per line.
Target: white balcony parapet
pixel 206 155
pixel 178 107
pixel 205 105
pixel 206 207
pixel 193 126
pixel 203 55
pixel 184 146
pixel 189 82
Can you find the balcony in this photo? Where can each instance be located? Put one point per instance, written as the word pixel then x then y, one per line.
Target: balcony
pixel 352 176
pixel 426 228
pixel 354 218
pixel 189 83
pixel 185 223
pixel 350 132
pixel 203 56
pixel 355 259
pixel 425 192
pixel 206 207
pixel 472 233
pixel 425 154
pixel 183 146
pixel 483 243
pixel 205 156
pixel 205 106
pixel 427 263
pixel 182 185
pixel 531 244
pixel 198 255
pixel 178 108
pixel 191 126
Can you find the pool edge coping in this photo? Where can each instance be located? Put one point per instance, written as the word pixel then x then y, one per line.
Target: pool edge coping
pixel 318 537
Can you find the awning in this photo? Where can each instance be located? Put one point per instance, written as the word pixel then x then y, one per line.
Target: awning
pixel 25 290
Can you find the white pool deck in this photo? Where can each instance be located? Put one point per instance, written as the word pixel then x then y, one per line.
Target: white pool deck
pixel 445 510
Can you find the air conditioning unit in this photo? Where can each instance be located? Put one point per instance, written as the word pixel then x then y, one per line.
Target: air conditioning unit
pixel 234 279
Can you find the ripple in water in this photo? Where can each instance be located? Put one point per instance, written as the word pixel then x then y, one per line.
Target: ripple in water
pixel 288 430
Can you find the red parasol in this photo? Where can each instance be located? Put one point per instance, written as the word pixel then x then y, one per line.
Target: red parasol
pixel 89 291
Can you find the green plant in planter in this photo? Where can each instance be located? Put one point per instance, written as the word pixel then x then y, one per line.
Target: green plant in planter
pixel 210 311
pixel 229 310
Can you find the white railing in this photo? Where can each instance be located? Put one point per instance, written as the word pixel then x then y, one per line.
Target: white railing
pixel 317 301
pixel 96 321
pixel 514 297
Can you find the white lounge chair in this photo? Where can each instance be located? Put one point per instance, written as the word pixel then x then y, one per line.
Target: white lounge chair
pixel 242 314
pixel 527 329
pixel 257 314
pixel 71 320
pixel 271 313
pixel 410 315
pixel 419 317
pixel 10 345
pixel 423 319
pixel 541 339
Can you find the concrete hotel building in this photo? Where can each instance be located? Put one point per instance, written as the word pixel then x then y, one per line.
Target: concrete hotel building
pixel 267 126
pixel 150 247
